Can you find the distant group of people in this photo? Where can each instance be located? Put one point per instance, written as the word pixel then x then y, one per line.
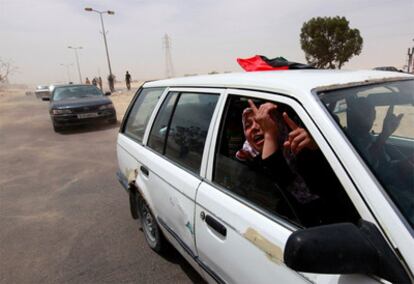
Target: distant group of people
pixel 95 81
pixel 111 81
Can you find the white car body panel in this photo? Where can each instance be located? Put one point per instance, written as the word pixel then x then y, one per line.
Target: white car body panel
pixel 233 256
pixel 169 190
pixel 172 192
pixel 253 242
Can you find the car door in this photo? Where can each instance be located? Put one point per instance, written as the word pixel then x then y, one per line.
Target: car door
pixel 172 159
pixel 243 219
pixel 132 130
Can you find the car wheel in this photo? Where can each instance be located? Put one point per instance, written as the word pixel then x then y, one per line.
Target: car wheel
pixel 152 232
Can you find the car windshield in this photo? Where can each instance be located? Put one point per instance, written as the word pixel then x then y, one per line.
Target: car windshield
pixel 379 121
pixel 75 92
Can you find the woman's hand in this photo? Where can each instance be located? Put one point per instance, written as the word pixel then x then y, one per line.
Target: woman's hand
pixel 264 116
pixel 391 122
pixel 298 138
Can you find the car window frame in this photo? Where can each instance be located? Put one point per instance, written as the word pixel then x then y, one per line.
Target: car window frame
pixel 129 110
pixel 288 99
pixel 202 90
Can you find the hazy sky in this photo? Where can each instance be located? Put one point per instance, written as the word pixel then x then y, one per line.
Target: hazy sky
pixel 206 35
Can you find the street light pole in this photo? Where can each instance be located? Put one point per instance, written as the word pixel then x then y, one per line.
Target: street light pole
pixel 106 44
pixel 67 70
pixel 104 35
pixel 77 61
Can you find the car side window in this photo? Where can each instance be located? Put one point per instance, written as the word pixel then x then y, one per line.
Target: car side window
pixel 188 131
pixel 141 112
pixel 158 133
pixel 181 137
pixel 295 183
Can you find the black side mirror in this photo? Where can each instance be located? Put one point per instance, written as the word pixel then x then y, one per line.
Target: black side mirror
pixel 107 93
pixel 344 249
pixel 45 99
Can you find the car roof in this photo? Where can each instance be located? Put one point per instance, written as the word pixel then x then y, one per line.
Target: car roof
pixel 291 81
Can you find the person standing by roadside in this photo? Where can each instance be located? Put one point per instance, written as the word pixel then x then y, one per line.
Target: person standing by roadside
pixel 100 83
pixel 128 80
pixel 94 81
pixel 111 81
pixel 87 81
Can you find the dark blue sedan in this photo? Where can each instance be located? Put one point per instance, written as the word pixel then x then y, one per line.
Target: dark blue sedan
pixel 80 104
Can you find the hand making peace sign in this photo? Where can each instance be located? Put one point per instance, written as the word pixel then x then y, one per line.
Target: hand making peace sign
pixel 391 122
pixel 264 116
pixel 298 138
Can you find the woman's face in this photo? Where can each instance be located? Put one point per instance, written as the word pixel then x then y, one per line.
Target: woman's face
pixel 253 132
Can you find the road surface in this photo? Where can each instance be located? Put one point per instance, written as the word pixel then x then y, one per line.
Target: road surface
pixel 64 217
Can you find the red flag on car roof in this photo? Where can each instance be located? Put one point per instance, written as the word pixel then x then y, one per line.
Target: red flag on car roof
pixel 262 63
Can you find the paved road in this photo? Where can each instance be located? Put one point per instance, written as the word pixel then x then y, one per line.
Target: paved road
pixel 63 215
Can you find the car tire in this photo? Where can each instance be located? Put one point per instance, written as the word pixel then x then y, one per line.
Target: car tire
pixel 152 232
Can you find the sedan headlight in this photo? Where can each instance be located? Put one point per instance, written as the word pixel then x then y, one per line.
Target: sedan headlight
pixel 61 111
pixel 108 106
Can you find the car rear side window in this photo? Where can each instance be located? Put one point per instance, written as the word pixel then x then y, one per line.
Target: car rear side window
pixel 189 127
pixel 186 130
pixel 141 111
pixel 158 133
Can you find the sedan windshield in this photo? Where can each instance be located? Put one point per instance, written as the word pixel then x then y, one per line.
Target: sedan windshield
pixel 75 92
pixel 379 121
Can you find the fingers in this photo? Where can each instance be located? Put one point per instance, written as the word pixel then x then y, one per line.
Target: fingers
pixel 267 108
pixel 252 106
pixel 400 116
pixel 390 110
pixel 262 108
pixel 263 113
pixel 297 140
pixel 305 143
pixel 292 125
pixel 295 133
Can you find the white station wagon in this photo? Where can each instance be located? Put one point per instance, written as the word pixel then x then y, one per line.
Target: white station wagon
pixel 276 177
